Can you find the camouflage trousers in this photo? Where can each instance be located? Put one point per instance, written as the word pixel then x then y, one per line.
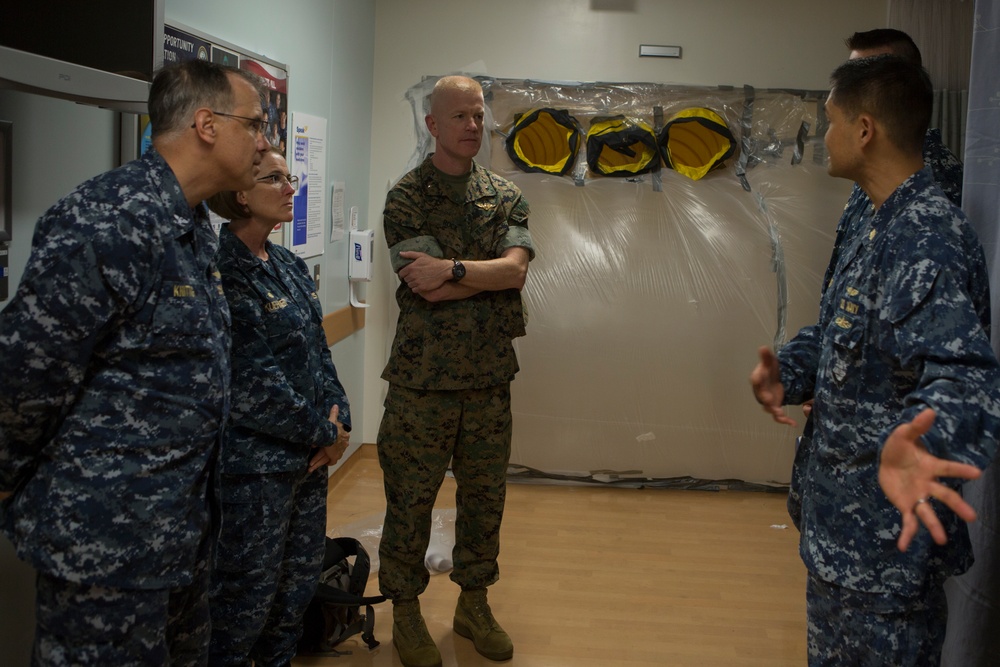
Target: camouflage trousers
pixel 421 433
pixel 267 565
pixel 849 628
pixel 83 624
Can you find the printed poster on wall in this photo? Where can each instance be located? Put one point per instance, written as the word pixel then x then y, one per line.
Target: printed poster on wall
pixel 276 80
pixel 308 162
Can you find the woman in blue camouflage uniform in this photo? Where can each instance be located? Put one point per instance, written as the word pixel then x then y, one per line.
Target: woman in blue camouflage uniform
pixel 290 419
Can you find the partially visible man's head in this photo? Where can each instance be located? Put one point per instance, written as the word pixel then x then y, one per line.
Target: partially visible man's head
pixel 179 90
pixel 894 91
pixel 883 40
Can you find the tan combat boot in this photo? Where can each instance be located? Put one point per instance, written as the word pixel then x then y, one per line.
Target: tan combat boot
pixel 410 636
pixel 474 620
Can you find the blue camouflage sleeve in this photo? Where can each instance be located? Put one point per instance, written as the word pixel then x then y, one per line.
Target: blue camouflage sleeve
pixel 799 360
pixel 70 292
pixel 942 342
pixel 335 394
pixel 263 399
pixel 333 390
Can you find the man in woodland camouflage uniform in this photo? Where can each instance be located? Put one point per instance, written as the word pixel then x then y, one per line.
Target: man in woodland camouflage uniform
pixel 947 172
pixel 115 359
pixel 458 239
pixel 906 386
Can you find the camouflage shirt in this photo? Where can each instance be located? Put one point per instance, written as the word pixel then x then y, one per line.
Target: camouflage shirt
pixel 466 343
pixel 903 326
pixel 284 381
pixel 115 358
pixel 947 171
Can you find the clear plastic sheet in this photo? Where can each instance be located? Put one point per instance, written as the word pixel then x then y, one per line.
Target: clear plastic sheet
pixel 650 295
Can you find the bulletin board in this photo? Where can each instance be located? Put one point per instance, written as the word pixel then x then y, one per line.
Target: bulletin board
pixel 180 43
pixel 183 43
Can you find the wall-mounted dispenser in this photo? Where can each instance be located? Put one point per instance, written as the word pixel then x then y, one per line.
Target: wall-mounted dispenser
pixel 359 266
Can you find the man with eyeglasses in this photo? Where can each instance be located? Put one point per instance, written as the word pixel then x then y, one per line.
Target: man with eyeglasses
pixel 115 358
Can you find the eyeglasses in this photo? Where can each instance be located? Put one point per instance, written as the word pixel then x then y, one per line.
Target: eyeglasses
pixel 256 125
pixel 280 179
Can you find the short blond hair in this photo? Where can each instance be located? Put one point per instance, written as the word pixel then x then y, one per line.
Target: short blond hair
pixel 454 83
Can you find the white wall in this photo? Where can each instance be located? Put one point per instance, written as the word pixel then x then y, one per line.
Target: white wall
pixel 769 43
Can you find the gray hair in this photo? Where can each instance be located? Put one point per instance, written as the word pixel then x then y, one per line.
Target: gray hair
pixel 179 90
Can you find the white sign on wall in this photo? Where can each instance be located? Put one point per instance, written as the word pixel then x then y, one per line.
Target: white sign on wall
pixel 308 162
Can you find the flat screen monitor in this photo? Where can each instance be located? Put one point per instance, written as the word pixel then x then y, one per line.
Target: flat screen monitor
pixel 102 54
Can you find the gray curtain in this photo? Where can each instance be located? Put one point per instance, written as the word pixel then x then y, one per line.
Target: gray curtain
pixel 942 29
pixel 974 599
pixel 949 115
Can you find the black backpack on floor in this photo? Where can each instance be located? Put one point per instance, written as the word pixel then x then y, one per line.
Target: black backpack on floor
pixel 335 613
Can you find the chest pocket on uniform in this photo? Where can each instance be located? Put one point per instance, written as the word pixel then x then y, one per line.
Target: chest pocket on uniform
pixel 846 350
pixel 489 225
pixel 183 310
pixel 284 322
pixel 184 317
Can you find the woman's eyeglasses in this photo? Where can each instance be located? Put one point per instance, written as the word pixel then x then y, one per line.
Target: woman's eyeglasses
pixel 280 179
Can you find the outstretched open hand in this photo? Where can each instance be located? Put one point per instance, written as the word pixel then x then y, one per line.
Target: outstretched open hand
pixel 908 475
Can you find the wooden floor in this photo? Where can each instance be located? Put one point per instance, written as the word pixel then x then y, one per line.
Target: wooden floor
pixel 610 576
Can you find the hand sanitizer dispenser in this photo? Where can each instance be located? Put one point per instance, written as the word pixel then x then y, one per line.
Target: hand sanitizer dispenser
pixel 359 266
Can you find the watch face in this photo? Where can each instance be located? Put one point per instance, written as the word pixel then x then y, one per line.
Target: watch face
pixel 458 271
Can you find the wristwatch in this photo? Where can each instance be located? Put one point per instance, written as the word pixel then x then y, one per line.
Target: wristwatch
pixel 457 271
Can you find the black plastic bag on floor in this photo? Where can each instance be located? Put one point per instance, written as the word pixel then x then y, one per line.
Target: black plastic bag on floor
pixel 339 609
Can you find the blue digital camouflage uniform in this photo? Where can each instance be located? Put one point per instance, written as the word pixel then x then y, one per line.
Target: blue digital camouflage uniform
pixel 274 513
pixel 903 326
pixel 115 357
pixel 449 376
pixel 947 171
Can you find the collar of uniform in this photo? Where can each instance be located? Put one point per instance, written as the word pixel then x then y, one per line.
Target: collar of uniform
pixel 182 217
pixel 480 183
pixel 932 139
pixel 231 245
pixel 901 196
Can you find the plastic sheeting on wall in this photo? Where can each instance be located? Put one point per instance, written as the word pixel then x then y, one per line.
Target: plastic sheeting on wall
pixel 650 294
